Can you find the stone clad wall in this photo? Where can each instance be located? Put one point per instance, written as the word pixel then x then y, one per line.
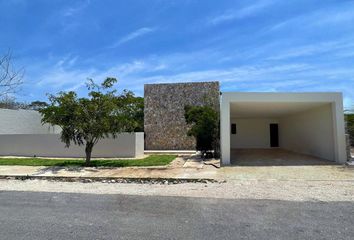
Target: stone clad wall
pixel 164 124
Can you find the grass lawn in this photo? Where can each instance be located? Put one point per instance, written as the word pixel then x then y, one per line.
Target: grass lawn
pixel 152 160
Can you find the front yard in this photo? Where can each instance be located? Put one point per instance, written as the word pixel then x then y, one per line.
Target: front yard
pixel 152 160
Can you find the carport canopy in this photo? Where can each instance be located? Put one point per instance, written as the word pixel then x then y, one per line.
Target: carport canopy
pixel 309 123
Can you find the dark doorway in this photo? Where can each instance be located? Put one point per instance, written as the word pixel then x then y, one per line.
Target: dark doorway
pixel 274 135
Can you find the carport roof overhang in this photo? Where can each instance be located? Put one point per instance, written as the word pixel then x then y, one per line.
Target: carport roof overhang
pixel 248 104
pixel 281 96
pixel 270 109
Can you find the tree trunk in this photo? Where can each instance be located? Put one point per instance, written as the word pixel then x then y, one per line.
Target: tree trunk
pixel 88 151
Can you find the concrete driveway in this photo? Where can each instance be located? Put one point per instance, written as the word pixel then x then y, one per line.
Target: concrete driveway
pixel 274 157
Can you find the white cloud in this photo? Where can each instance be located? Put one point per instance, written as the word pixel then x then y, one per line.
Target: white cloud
pixel 241 13
pixel 315 49
pixel 234 75
pixel 72 10
pixel 134 74
pixel 66 61
pixel 320 18
pixel 58 78
pixel 137 33
pixel 61 76
pixel 183 67
pixel 335 17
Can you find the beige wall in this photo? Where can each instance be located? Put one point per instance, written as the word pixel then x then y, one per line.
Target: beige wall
pixel 251 132
pixel 309 132
pixel 49 145
pixel 23 122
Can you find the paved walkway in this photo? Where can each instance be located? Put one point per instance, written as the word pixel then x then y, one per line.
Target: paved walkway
pixel 193 170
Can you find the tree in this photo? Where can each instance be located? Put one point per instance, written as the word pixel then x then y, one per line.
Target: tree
pixel 350 127
pixel 133 107
pixel 84 121
pixel 9 102
pixel 10 78
pixel 204 122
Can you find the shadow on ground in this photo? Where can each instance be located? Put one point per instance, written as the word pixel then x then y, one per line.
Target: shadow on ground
pixel 56 170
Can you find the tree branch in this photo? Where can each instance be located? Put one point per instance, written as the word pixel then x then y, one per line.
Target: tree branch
pixel 10 78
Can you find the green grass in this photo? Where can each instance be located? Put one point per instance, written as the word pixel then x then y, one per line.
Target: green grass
pixel 153 160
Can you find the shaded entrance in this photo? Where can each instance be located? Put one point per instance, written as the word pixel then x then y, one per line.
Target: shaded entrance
pixel 274 135
pixel 294 130
pixel 308 123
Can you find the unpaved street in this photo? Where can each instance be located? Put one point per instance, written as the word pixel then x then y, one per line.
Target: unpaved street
pixel 295 190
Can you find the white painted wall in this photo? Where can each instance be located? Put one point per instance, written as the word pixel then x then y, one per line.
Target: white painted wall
pixel 23 122
pixel 251 132
pixel 309 132
pixel 139 144
pixel 49 145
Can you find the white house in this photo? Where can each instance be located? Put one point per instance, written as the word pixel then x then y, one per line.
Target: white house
pixel 307 123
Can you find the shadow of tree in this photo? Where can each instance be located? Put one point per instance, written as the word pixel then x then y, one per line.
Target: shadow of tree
pixel 57 169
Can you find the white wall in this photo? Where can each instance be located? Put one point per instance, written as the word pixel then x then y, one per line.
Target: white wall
pixel 23 122
pixel 309 132
pixel 49 145
pixel 251 132
pixel 139 144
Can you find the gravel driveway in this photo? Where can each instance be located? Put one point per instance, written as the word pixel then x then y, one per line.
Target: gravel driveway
pixel 240 189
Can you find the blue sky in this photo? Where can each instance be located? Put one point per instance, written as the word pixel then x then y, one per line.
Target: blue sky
pixel 259 45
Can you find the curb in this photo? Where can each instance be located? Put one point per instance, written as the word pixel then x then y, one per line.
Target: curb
pixel 113 179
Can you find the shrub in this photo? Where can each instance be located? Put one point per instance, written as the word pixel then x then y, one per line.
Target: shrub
pixel 350 127
pixel 204 122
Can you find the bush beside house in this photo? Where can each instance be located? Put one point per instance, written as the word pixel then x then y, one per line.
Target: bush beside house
pixel 350 127
pixel 204 122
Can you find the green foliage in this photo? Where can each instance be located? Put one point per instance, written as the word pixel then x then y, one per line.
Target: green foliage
pixel 153 160
pixel 84 121
pixel 350 127
pixel 204 122
pixel 133 108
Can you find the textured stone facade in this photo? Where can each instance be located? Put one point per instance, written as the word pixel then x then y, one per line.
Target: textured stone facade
pixel 164 123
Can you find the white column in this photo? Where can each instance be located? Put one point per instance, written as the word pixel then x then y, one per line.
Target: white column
pixel 225 131
pixel 339 131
